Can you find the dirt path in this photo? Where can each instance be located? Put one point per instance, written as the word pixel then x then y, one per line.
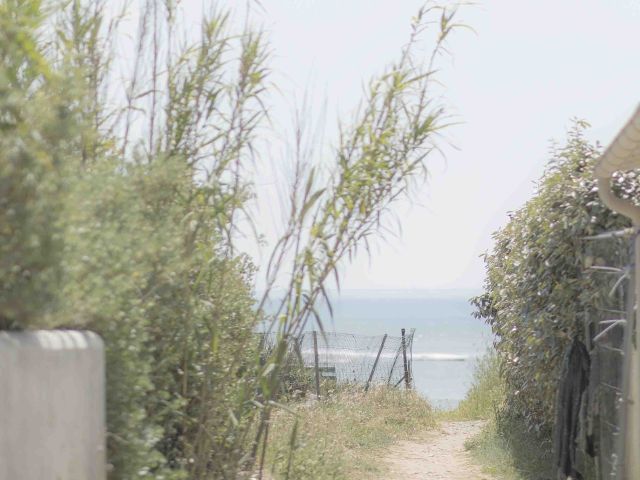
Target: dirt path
pixel 441 456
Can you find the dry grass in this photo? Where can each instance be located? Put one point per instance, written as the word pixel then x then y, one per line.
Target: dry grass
pixel 343 436
pixel 508 451
pixel 504 448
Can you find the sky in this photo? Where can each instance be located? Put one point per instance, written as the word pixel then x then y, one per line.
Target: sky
pixel 514 84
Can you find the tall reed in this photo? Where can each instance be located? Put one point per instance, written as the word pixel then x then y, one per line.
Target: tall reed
pixel 125 185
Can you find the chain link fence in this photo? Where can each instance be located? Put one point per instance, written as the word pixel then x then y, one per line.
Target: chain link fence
pixel 324 360
pixel 609 264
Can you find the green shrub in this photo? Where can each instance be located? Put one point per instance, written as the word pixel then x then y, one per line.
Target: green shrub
pixel 37 129
pixel 536 294
pixel 120 202
pixel 130 247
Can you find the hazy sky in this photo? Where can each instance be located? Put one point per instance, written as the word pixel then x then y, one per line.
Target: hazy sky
pixel 515 83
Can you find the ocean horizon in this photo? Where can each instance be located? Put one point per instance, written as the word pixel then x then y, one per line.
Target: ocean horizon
pixel 448 340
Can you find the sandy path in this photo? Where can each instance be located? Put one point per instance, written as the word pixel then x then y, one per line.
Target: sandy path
pixel 441 456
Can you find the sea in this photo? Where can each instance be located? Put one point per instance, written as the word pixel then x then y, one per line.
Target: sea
pixel 448 340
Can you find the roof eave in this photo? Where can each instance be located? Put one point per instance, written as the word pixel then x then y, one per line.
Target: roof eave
pixel 623 153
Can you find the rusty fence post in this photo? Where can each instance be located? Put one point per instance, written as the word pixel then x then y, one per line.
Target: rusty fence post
pixel 407 379
pixel 375 364
pixel 393 367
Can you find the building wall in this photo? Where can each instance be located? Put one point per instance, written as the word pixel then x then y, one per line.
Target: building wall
pixel 52 406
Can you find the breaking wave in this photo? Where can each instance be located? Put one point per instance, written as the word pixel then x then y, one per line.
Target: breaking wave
pixel 341 356
pixel 442 357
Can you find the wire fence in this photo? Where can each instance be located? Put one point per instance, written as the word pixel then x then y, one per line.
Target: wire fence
pixel 327 359
pixel 609 265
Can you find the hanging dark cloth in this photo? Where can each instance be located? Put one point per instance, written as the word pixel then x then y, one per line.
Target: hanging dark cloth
pixel 574 380
pixel 591 406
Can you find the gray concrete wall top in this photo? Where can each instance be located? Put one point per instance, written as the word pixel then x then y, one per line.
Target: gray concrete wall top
pixel 52 406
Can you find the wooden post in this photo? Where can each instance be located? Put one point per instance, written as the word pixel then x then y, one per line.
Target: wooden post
pixel 296 347
pixel 375 364
pixel 317 367
pixel 407 380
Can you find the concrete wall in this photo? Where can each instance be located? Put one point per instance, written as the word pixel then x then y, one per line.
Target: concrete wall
pixel 52 406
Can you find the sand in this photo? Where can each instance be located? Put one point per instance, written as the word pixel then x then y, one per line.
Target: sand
pixel 440 456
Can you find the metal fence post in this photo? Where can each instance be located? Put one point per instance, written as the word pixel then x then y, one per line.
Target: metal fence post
pixel 375 364
pixel 407 380
pixel 317 367
pixel 393 366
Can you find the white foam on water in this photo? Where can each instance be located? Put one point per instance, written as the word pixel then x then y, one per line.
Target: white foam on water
pixel 341 356
pixel 442 357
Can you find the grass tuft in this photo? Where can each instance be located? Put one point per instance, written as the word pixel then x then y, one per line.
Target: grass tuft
pixel 342 436
pixel 504 448
pixel 507 450
pixel 486 394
